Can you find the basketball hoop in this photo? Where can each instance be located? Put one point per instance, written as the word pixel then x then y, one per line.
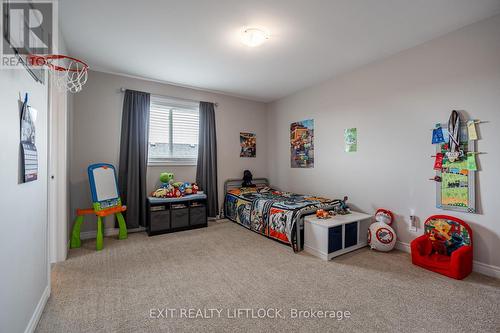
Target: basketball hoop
pixel 68 73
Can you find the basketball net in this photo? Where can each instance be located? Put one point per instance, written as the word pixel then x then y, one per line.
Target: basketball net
pixel 67 73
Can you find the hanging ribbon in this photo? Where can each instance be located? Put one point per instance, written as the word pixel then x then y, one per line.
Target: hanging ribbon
pixel 454 136
pixel 454 131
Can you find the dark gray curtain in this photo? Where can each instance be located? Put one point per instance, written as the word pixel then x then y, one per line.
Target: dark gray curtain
pixel 133 156
pixel 206 171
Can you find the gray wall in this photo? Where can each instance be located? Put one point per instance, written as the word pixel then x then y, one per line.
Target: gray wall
pixel 96 126
pixel 394 103
pixel 23 207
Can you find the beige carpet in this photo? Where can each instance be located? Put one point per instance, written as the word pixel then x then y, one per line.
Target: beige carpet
pixel 227 267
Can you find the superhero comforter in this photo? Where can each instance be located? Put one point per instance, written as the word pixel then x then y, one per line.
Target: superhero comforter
pixel 272 213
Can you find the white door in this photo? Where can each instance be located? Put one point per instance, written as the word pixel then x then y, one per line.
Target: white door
pixel 58 171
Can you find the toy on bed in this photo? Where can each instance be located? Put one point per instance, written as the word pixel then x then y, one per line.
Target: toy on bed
pixel 381 236
pixel 106 201
pixel 172 189
pixel 247 179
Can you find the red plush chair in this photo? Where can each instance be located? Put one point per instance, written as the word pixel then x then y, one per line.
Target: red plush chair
pixel 445 248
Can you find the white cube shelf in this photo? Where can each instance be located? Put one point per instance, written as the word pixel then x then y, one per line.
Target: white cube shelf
pixel 328 238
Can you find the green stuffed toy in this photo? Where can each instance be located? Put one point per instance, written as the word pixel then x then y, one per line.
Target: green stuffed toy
pixel 166 178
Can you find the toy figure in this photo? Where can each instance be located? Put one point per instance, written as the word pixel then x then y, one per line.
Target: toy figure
pixel 166 178
pixel 456 241
pixel 381 236
pixel 323 214
pixel 343 209
pixel 172 189
pixel 160 193
pixel 247 179
pixel 177 184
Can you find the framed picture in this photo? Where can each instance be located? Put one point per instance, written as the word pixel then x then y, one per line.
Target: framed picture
pixel 302 144
pixel 457 189
pixel 248 144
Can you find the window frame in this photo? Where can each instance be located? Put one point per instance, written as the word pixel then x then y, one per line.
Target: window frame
pixel 174 103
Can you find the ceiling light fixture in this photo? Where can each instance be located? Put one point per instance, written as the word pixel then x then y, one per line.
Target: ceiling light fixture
pixel 254 37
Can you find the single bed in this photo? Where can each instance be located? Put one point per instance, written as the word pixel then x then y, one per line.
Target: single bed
pixel 271 212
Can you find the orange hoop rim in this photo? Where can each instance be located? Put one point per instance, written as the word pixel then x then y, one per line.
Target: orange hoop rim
pixel 38 60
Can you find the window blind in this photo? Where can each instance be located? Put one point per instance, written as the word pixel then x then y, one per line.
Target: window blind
pixel 173 131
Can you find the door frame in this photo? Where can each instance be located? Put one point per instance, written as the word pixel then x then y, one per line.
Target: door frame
pixel 58 192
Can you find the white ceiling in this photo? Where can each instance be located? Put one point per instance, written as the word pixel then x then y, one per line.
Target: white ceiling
pixel 195 43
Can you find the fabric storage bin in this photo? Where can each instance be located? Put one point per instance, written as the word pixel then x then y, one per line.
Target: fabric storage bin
pixel 160 219
pixel 198 215
pixel 351 234
pixel 180 217
pixel 335 239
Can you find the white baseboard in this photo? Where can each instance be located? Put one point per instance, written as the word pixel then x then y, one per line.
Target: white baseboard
pixel 107 232
pixel 405 247
pixel 479 267
pixel 490 270
pixel 38 311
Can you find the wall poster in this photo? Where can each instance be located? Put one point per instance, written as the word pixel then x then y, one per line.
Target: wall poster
pixel 302 144
pixel 351 140
pixel 248 144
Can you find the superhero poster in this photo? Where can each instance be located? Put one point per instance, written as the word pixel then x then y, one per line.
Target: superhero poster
pixel 302 144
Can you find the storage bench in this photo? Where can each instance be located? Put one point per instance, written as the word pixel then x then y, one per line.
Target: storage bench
pixel 164 215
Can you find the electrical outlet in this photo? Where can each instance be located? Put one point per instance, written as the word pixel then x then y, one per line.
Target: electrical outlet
pixel 413 223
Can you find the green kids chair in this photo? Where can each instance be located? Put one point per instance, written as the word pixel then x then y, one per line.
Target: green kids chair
pixel 106 201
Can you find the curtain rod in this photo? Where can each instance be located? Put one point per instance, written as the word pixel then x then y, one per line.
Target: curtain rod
pixel 182 99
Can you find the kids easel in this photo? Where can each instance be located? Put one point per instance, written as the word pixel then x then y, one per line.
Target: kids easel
pixel 106 201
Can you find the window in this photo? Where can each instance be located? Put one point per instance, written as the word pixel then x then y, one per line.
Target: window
pixel 173 131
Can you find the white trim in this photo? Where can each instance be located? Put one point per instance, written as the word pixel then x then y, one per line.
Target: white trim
pixel 35 318
pixel 57 173
pixel 490 270
pixel 158 161
pixel 478 267
pixel 405 247
pixel 176 102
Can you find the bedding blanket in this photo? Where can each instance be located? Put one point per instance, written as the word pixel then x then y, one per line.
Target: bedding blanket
pixel 271 213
